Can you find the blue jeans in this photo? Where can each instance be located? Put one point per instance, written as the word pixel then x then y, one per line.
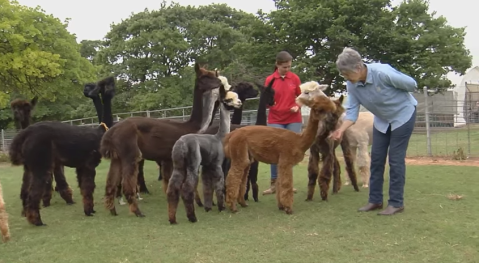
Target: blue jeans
pixel 397 141
pixel 295 127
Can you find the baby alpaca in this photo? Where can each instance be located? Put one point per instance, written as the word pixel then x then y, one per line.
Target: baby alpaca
pixel 4 229
pixel 273 146
pixel 193 150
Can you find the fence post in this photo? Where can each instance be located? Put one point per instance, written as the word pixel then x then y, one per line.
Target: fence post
pixel 3 141
pixel 426 114
pixel 468 121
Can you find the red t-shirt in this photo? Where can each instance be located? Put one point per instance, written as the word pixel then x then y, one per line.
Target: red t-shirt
pixel 286 90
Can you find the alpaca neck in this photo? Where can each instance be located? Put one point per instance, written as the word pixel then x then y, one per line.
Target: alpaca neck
pixel 225 122
pixel 213 114
pixel 98 108
pixel 107 117
pixel 261 113
pixel 197 109
pixel 309 133
pixel 238 114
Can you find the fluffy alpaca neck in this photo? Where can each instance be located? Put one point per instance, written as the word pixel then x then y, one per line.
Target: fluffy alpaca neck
pixel 261 113
pixel 196 116
pixel 98 108
pixel 225 122
pixel 238 114
pixel 309 134
pixel 107 117
pixel 20 125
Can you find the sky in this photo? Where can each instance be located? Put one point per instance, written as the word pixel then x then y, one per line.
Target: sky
pixel 91 19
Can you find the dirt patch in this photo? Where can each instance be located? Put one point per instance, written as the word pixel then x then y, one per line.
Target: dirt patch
pixel 473 161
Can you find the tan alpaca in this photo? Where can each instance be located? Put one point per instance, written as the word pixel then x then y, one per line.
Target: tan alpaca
pixel 273 146
pixel 4 229
pixel 360 137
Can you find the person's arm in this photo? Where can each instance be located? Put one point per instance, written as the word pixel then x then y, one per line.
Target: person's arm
pixel 352 110
pixel 398 80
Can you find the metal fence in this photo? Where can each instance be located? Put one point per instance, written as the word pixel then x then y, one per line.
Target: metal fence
pixel 447 125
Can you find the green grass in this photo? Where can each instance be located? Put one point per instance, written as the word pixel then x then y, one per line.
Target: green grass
pixel 432 228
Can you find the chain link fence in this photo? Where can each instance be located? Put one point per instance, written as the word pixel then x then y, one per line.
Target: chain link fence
pixel 447 123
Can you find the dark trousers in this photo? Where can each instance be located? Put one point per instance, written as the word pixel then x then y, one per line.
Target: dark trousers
pixel 397 141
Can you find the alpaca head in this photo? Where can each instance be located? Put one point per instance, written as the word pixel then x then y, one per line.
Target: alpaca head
pixel 206 80
pixel 267 93
pixel 22 109
pixel 313 96
pixel 229 98
pixel 105 87
pixel 245 91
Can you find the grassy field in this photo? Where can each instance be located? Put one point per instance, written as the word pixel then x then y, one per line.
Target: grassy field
pixel 433 228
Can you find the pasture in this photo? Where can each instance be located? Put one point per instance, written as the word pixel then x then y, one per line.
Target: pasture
pixel 433 228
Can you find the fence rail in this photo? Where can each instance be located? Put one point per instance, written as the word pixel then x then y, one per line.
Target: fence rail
pixel 446 125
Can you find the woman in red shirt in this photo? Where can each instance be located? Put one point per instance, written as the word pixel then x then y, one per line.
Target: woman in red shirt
pixel 285 114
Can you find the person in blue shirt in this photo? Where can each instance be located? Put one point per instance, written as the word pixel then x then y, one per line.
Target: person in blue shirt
pixel 386 93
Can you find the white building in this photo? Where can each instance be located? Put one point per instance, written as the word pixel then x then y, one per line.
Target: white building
pixel 471 77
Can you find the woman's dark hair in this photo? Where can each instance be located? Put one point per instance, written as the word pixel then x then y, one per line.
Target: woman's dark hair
pixel 283 57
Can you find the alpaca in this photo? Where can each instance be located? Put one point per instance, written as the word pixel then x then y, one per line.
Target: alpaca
pixel 244 90
pixel 22 116
pixel 326 147
pixel 266 99
pixel 4 229
pixel 42 145
pixel 360 137
pixel 192 150
pixel 136 138
pixel 273 146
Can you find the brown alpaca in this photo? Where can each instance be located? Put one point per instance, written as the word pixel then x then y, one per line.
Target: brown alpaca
pixel 137 138
pixel 22 116
pixel 326 147
pixel 4 229
pixel 273 146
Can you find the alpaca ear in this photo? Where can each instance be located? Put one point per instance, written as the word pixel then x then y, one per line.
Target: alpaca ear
pixel 34 101
pixel 323 87
pixel 270 84
pixel 197 69
pixel 341 98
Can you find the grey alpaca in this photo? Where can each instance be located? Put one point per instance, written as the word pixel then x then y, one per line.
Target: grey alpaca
pixel 193 150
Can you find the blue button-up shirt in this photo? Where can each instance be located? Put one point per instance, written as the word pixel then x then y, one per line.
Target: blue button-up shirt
pixel 386 94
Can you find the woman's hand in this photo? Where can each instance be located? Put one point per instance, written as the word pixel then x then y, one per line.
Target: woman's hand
pixel 294 109
pixel 336 135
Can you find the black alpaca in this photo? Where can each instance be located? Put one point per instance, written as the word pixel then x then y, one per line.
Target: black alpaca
pixel 44 144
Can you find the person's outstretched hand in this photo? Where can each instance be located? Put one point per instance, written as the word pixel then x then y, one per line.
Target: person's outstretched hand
pixel 294 109
pixel 336 135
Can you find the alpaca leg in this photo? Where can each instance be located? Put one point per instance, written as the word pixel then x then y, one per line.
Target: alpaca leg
pixel 4 229
pixel 349 154
pixel 233 184
pixel 313 170
pixel 207 178
pixel 141 178
pixel 253 178
pixel 197 194
pixel 160 177
pixel 24 190
pixel 219 186
pixel 62 186
pixel 173 193
pixel 188 193
pixel 86 179
pixel 325 176
pixel 278 194
pixel 129 177
pixel 48 192
pixel 364 163
pixel 242 191
pixel 285 187
pixel 119 194
pixel 35 193
pixel 166 170
pixel 113 185
pixel 336 175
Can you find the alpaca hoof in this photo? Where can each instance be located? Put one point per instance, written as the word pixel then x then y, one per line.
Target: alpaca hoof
pixel 88 214
pixel 139 214
pixel 207 209
pixel 346 183
pixel 280 207
pixel 256 199
pixel 243 204
pixel 200 204
pixel 173 222
pixel 5 238
pixel 213 204
pixel 40 224
pixel 365 185
pixel 221 208
pixel 288 211
pixel 71 203
pixel 308 199
pixel 93 211
pixel 113 212
pixel 145 191
pixel 192 219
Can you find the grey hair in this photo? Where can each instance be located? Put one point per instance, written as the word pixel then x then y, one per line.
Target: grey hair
pixel 349 60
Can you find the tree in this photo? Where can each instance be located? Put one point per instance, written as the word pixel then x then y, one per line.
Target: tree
pixel 38 55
